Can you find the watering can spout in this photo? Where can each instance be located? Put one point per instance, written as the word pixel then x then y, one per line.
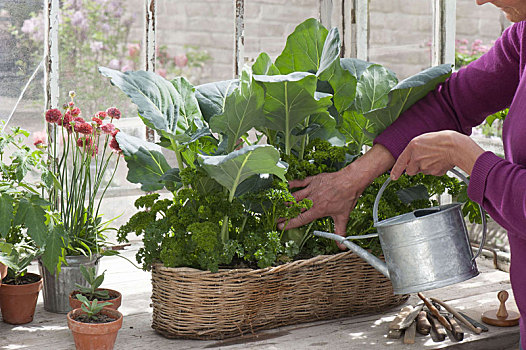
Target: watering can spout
pixel 362 253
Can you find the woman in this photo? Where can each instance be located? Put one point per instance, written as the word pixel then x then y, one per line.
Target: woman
pixel 431 137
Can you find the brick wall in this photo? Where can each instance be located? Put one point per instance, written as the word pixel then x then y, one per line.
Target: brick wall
pixel 400 29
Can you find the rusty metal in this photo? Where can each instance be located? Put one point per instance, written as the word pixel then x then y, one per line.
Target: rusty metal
pixel 239 36
pixel 51 56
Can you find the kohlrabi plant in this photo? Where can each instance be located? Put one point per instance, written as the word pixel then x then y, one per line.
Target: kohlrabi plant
pixel 236 142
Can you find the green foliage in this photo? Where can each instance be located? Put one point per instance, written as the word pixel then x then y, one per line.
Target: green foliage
pixel 94 281
pixel 315 111
pixel 17 258
pixel 93 308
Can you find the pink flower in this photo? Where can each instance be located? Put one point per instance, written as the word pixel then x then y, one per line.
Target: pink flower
pixel 71 104
pixel 75 111
pixel 134 50
pixel 108 128
pixel 39 139
pixel 97 120
pixel 101 115
pixel 180 60
pixel 53 115
pixel 113 113
pixel 79 120
pixel 114 64
pixel 114 145
pixel 83 128
pixel 161 72
pixel 114 132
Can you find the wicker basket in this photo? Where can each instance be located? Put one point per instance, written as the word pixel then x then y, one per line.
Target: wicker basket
pixel 190 303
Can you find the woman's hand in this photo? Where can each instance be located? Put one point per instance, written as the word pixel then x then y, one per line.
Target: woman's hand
pixel 437 152
pixel 335 194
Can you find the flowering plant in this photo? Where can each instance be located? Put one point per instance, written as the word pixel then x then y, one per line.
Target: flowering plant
pixel 80 154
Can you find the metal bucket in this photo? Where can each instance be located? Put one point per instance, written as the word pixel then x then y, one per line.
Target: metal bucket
pixel 57 287
pixel 428 248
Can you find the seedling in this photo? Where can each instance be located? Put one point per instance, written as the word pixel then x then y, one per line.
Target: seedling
pixel 94 282
pixel 93 308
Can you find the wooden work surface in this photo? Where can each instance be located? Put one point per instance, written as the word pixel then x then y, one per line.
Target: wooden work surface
pixel 50 331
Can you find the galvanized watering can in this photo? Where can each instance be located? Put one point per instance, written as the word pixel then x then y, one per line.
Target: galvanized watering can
pixel 426 249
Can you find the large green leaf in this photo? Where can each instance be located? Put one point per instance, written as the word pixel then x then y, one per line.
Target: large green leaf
pixel 264 65
pixel 146 163
pixel 405 94
pixel 243 111
pixel 170 108
pixel 31 214
pixel 343 83
pixel 303 49
pixel 327 130
pixel 56 243
pixel 237 166
pixel 372 91
pixel 355 66
pixel 353 126
pixel 212 96
pixel 6 214
pixel 289 100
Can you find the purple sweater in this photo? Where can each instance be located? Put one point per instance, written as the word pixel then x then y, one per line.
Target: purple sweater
pixel 495 81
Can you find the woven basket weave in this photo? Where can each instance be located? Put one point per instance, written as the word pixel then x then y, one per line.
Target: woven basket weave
pixel 195 304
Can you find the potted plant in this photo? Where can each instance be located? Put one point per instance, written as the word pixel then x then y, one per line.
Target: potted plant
pixel 216 238
pixel 92 292
pixel 19 290
pixel 83 158
pixel 94 326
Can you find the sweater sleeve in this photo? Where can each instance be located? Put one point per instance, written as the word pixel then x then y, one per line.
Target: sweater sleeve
pixel 499 186
pixel 465 99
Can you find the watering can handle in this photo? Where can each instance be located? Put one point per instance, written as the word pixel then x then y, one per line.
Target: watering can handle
pixel 463 178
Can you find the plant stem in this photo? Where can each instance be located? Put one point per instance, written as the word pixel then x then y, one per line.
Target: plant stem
pixel 287 124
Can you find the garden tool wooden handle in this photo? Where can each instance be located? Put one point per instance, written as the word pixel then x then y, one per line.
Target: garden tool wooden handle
pixel 461 318
pixel 435 312
pixel 422 323
pixel 438 329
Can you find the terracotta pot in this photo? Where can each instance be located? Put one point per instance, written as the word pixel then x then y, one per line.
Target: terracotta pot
pixel 95 336
pixel 116 299
pixel 18 302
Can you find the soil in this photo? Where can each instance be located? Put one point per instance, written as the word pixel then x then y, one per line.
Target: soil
pixel 100 319
pixel 27 279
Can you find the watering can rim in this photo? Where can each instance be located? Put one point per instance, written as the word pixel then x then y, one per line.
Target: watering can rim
pixel 405 218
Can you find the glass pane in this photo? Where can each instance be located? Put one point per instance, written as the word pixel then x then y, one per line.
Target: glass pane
pixel 400 35
pixel 22 48
pixel 268 24
pixel 195 40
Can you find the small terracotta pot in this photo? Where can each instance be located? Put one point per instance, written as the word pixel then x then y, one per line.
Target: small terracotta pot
pixel 116 299
pixel 95 336
pixel 18 302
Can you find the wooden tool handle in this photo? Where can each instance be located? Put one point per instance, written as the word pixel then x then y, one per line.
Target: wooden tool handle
pixel 461 318
pixel 457 332
pixel 422 323
pixel 435 312
pixel 503 296
pixel 439 330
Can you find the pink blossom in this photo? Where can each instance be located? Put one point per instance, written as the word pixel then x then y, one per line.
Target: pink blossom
pixel 108 128
pixel 181 60
pixel 134 50
pixel 98 121
pixel 114 64
pixel 39 138
pixel 34 27
pixel 83 128
pixel 53 115
pixel 162 72
pixel 113 113
pixel 127 66
pixel 101 115
pixel 114 145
